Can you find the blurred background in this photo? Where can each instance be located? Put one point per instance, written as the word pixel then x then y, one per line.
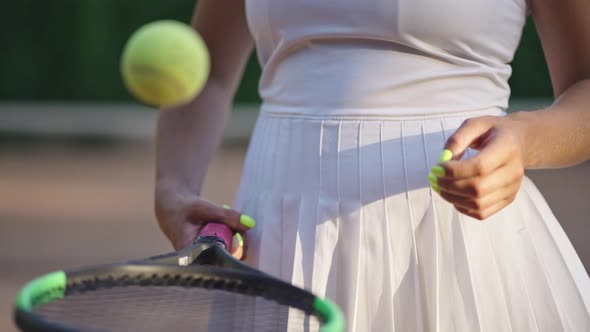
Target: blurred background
pixel 77 153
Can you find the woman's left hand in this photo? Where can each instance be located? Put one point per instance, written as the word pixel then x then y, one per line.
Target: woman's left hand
pixel 484 184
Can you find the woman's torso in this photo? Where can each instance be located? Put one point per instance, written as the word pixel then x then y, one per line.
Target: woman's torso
pixel 385 57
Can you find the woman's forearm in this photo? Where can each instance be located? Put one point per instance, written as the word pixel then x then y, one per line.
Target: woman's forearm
pixel 188 136
pixel 558 136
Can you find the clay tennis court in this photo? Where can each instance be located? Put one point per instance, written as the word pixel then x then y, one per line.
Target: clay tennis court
pixel 66 205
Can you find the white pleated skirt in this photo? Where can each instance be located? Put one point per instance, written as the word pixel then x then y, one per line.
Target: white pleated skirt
pixel 344 209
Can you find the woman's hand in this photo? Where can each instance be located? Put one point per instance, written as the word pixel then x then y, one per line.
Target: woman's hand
pixel 182 215
pixel 484 184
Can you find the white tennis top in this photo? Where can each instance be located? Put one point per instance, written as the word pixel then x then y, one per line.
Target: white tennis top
pixel 385 57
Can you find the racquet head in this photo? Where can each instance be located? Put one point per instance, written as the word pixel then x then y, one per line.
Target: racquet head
pixel 199 288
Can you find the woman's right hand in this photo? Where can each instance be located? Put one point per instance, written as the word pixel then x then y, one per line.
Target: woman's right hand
pixel 181 216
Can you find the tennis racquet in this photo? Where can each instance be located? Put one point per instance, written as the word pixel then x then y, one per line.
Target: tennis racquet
pixel 199 288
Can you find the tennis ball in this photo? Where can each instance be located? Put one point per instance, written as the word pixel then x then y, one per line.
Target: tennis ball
pixel 165 63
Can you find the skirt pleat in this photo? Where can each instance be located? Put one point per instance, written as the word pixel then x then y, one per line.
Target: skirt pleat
pixel 344 209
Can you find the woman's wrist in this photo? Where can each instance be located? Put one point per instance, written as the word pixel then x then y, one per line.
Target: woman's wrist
pixel 166 187
pixel 525 123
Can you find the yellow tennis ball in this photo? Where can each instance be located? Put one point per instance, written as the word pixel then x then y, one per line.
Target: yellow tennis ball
pixel 165 63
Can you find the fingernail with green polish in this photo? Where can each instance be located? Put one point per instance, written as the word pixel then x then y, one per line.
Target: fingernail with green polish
pixel 225 206
pixel 439 171
pixel 445 156
pixel 432 179
pixel 247 221
pixel 436 188
pixel 432 183
pixel 239 239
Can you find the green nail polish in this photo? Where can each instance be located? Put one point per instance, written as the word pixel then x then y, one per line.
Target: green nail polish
pixel 436 189
pixel 225 206
pixel 439 171
pixel 239 239
pixel 445 156
pixel 247 221
pixel 432 179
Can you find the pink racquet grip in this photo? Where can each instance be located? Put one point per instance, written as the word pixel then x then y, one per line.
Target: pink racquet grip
pixel 221 231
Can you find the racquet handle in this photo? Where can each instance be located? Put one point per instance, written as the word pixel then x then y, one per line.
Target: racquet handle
pixel 221 231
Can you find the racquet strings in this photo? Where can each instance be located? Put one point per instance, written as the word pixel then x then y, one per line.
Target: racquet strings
pixel 174 309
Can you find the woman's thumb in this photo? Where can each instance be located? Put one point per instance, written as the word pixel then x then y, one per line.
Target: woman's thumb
pixel 469 134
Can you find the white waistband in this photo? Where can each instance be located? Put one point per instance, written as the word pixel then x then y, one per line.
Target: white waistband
pixel 392 114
